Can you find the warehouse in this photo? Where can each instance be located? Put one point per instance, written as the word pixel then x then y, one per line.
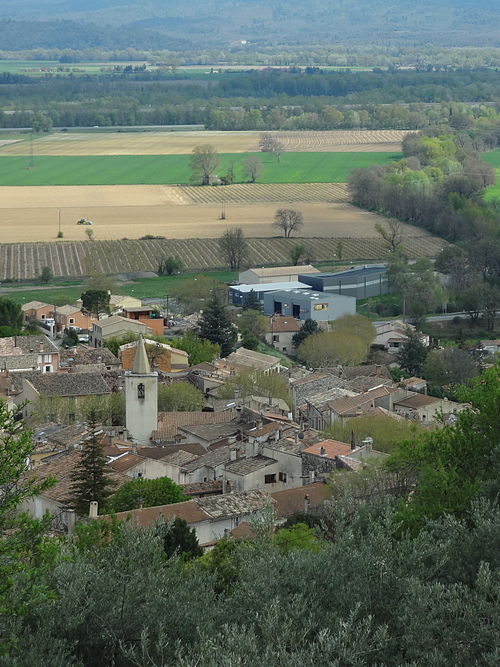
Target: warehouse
pixel 305 304
pixel 360 282
pixel 239 293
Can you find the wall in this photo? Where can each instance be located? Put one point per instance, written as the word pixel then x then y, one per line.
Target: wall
pixel 284 342
pixel 334 306
pixel 318 464
pixel 141 414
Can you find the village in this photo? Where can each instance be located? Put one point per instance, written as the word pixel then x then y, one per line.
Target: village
pixel 261 433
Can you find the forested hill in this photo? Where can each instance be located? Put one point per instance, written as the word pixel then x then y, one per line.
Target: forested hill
pixel 219 23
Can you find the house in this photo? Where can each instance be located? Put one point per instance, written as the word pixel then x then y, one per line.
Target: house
pixel 37 310
pixel 212 435
pixel 238 294
pixel 212 517
pixel 74 387
pixel 414 384
pixel 163 357
pixel 85 359
pixel 428 409
pixel 117 302
pixel 351 406
pixel 275 274
pixel 305 304
pixel 67 317
pixel 280 331
pixel 321 458
pixel 55 499
pixel 209 467
pixel 114 327
pixel 148 316
pixel 360 282
pixel 313 384
pixel 491 346
pixel 316 411
pixel 169 424
pixel 29 353
pixel 250 359
pixel 391 336
pixel 301 499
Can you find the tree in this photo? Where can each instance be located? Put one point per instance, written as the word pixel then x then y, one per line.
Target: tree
pixel 297 537
pixel 192 294
pixel 180 540
pixel 252 302
pixel 70 338
pixel 296 252
pixel 449 367
pixel 256 383
pixel 288 220
pixel 170 265
pixel 41 123
pixel 412 353
pixel 46 275
pixel 386 432
pixel 356 324
pixel 96 301
pixel 326 349
pixel 234 247
pixel 142 492
pixel 254 321
pixel 270 144
pixel 307 329
pixel 16 448
pixel 204 161
pixel 180 397
pixel 198 349
pixel 249 340
pixel 89 479
pixel 391 234
pixel 216 326
pixel 253 168
pixel 11 314
pixel 90 234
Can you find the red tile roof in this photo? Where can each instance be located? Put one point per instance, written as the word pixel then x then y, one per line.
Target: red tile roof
pixel 332 448
pixel 292 500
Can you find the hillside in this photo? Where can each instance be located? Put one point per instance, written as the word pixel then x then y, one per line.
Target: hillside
pixel 202 23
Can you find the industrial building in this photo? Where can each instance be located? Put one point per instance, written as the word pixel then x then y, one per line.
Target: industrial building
pixel 238 293
pixel 305 304
pixel 274 274
pixel 360 282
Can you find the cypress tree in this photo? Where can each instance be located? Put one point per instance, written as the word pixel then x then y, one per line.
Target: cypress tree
pixel 90 480
pixel 216 326
pixel 251 302
pixel 309 327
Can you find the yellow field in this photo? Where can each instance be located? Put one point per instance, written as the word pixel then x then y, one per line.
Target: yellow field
pixel 175 143
pixel 32 214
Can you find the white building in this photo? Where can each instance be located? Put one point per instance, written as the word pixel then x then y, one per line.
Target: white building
pixel 141 398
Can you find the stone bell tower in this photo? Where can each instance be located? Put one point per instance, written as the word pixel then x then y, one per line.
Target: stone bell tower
pixel 141 397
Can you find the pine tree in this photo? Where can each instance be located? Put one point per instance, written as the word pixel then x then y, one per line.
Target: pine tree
pixel 412 354
pixel 251 302
pixel 90 480
pixel 216 327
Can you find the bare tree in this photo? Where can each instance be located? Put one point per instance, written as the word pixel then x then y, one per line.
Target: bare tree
pixel 204 161
pixel 391 233
pixel 270 144
pixel 288 221
pixel 234 247
pixel 253 168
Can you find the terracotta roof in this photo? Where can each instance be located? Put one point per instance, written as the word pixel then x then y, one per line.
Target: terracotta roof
pixel 125 462
pixel 187 510
pixel 350 372
pixel 243 531
pixel 69 384
pixel 249 465
pixel 67 310
pixel 19 345
pixel 179 458
pixel 251 359
pixel 283 324
pixel 212 432
pixel 349 404
pixel 69 435
pixel 329 449
pixel 288 445
pixel 416 401
pixel 292 500
pixel 210 459
pixel 169 422
pixel 312 377
pixel 34 305
pixel 89 355
pixel 193 448
pixel 263 430
pixel 111 321
pixel 202 488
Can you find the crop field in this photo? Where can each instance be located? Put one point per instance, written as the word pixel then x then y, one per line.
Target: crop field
pixel 21 261
pixel 261 192
pixel 173 169
pixel 177 143
pixel 493 158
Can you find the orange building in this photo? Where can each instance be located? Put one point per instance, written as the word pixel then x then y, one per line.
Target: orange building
pixel 37 310
pixel 162 357
pixel 148 316
pixel 71 316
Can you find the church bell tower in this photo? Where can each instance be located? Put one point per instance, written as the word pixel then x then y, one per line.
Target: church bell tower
pixel 141 397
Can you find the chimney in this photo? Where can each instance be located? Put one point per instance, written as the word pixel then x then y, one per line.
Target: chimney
pixel 322 451
pixel 233 454
pixel 306 503
pixel 93 509
pixel 40 347
pixel 353 441
pixel 70 522
pixel 228 488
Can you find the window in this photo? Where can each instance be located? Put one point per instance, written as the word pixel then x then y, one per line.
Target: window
pixel 48 369
pixel 282 477
pixel 43 316
pixel 276 338
pixel 141 391
pixel 270 479
pixel 71 320
pixel 296 310
pixel 277 307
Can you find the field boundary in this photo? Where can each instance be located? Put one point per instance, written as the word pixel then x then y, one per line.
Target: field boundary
pixel 24 261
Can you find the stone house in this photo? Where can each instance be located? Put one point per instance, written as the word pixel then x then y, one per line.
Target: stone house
pixel 351 406
pixel 29 353
pixel 212 435
pixel 163 357
pixel 114 327
pixel 428 409
pixel 251 360
pixel 280 332
pixel 82 358
pixel 169 424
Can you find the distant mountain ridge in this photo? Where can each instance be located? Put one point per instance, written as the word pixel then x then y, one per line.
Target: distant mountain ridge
pixel 221 23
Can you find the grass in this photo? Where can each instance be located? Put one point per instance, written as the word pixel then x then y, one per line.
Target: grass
pixel 172 169
pixel 493 158
pixel 141 288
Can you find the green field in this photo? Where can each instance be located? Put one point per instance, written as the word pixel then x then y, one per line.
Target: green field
pixel 141 288
pixel 493 158
pixel 172 169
